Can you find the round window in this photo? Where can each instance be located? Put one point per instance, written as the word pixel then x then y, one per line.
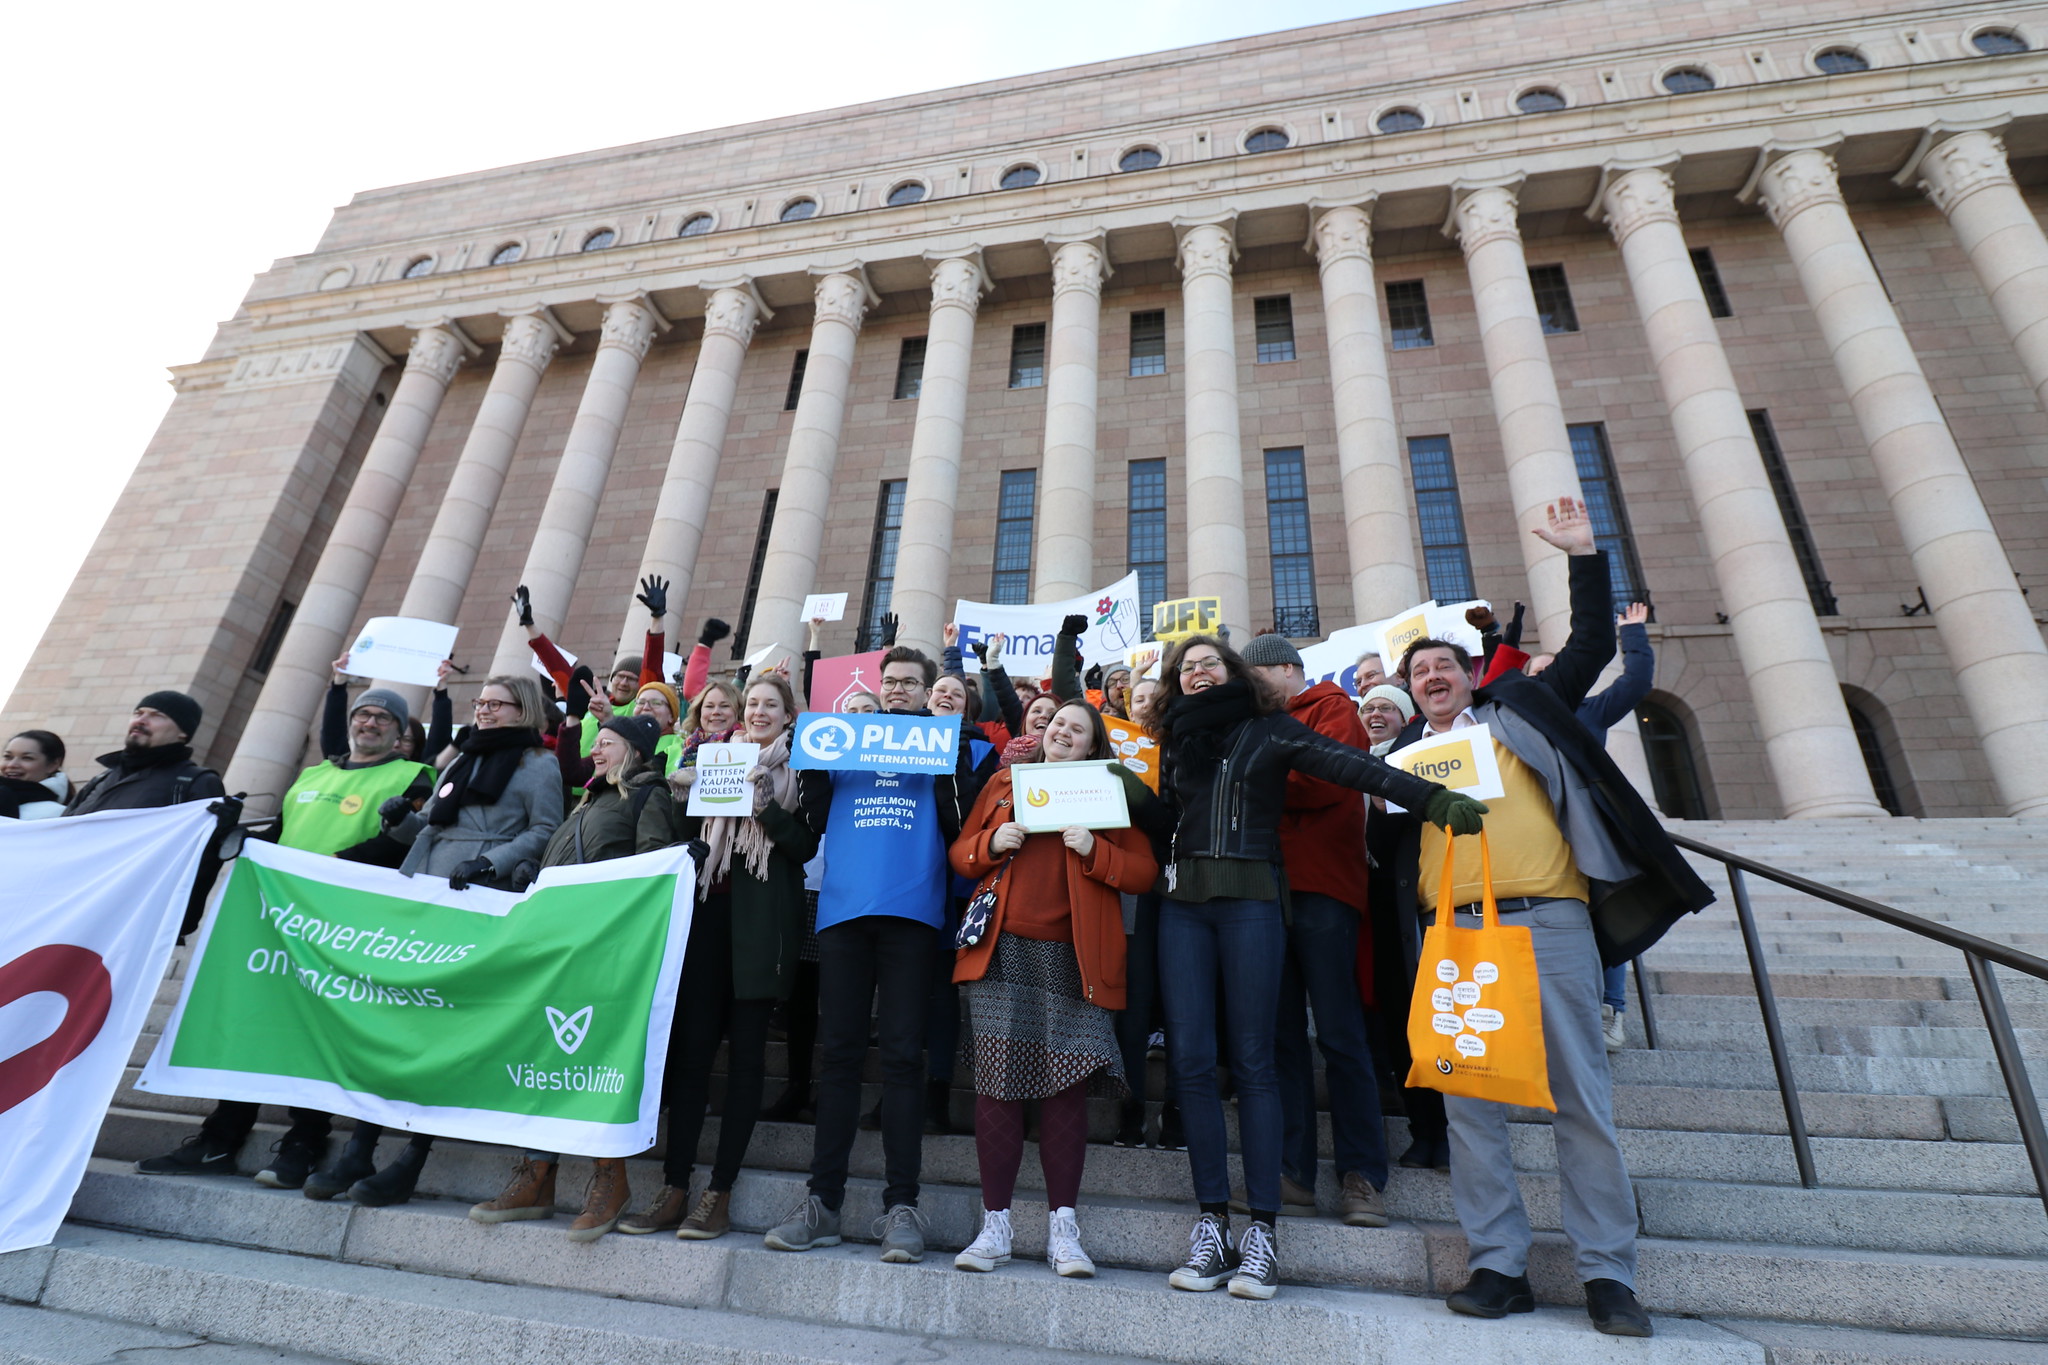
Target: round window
pixel 1996 42
pixel 1140 159
pixel 796 210
pixel 1840 61
pixel 421 265
pixel 1019 178
pixel 909 192
pixel 1266 140
pixel 696 225
pixel 507 253
pixel 1542 100
pixel 1687 80
pixel 600 239
pixel 1401 121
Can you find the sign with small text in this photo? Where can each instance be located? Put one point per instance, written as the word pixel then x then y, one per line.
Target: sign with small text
pixel 401 649
pixel 1461 759
pixel 721 787
pixel 876 742
pixel 1052 796
pixel 825 606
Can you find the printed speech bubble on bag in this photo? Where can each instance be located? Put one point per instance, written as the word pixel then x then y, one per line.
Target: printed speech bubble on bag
pixel 1485 973
pixel 1446 971
pixel 1465 993
pixel 1449 1024
pixel 1440 999
pixel 1484 1021
pixel 1470 1045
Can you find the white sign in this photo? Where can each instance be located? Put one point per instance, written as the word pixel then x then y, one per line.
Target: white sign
pixel 671 667
pixel 88 912
pixel 1063 795
pixel 1434 620
pixel 542 669
pixel 1336 659
pixel 721 787
pixel 762 655
pixel 1461 759
pixel 1029 631
pixel 401 649
pixel 1143 660
pixel 825 606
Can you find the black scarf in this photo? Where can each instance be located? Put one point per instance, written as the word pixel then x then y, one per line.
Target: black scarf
pixel 481 772
pixel 1198 723
pixel 156 756
pixel 16 792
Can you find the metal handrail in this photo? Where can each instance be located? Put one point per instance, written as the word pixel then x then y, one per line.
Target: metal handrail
pixel 1979 953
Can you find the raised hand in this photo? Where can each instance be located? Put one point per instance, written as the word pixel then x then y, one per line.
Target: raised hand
pixel 890 622
pixel 714 631
pixel 653 595
pixel 1636 614
pixel 1569 528
pixel 340 667
pixel 1480 618
pixel 441 672
pixel 1074 625
pixel 817 629
pixel 949 634
pixel 522 602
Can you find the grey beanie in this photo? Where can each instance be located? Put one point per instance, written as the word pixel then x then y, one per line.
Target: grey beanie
pixel 1266 650
pixel 389 700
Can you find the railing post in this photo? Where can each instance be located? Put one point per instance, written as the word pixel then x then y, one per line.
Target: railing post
pixel 2010 1061
pixel 1643 999
pixel 1767 1001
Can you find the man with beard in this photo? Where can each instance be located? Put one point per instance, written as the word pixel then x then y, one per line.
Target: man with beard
pixel 154 767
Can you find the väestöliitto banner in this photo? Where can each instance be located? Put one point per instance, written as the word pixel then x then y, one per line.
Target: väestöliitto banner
pixel 537 1020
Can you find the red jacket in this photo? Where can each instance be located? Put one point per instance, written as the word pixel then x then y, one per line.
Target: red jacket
pixel 1322 830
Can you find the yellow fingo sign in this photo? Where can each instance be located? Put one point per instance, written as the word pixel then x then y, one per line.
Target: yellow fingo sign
pixel 1401 634
pixel 1461 759
pixel 1451 764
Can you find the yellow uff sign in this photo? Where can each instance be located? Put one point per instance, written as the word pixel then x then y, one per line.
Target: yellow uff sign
pixel 1186 616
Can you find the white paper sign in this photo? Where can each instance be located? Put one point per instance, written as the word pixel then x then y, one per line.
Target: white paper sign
pixel 1029 631
pixel 1433 619
pixel 1336 659
pixel 721 787
pixel 1461 759
pixel 1143 660
pixel 671 667
pixel 766 654
pixel 401 649
pixel 825 606
pixel 542 669
pixel 1062 795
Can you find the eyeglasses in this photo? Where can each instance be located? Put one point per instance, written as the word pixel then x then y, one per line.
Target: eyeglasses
pixel 487 704
pixel 899 684
pixel 379 719
pixel 1212 664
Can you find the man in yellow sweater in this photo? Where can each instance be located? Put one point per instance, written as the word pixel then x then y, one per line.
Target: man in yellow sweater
pixel 1581 861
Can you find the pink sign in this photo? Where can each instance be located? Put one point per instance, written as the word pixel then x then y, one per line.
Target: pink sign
pixel 834 680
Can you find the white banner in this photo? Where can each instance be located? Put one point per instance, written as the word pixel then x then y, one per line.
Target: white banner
pixel 1029 630
pixel 89 910
pixel 1336 659
pixel 401 649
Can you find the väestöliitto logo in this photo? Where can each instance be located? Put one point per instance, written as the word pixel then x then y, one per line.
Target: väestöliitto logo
pixel 569 1029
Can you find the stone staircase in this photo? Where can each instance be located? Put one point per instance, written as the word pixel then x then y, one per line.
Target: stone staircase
pixel 1925 1240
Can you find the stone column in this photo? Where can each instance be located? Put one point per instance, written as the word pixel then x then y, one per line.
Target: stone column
pixel 1797 698
pixel 274 740
pixel 441 577
pixel 684 508
pixel 555 556
pixel 1525 403
pixel 931 491
pixel 1993 643
pixel 1377 527
pixel 789 569
pixel 1965 174
pixel 1066 476
pixel 1218 565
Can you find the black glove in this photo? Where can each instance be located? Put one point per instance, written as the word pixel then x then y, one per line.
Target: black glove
pixel 578 700
pixel 1074 625
pixel 470 870
pixel 1512 636
pixel 714 631
pixel 889 623
pixel 654 596
pixel 698 850
pixel 394 809
pixel 1453 811
pixel 1093 678
pixel 980 648
pixel 523 601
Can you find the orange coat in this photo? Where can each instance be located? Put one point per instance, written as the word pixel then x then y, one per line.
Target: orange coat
pixel 1120 861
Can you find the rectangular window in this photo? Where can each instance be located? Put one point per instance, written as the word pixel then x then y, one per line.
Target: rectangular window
pixel 1148 343
pixel 1609 516
pixel 739 636
pixel 1273 328
pixel 881 564
pixel 1147 528
pixel 796 380
pixel 1408 316
pixel 1014 506
pixel 1710 282
pixel 273 637
pixel 1027 356
pixel 1553 300
pixel 1294 567
pixel 910 368
pixel 1818 590
pixel 1446 554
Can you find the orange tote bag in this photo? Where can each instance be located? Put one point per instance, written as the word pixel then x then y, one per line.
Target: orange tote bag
pixel 1475 1027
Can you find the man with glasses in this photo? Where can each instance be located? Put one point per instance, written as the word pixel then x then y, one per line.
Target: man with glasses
pixel 331 809
pixel 881 905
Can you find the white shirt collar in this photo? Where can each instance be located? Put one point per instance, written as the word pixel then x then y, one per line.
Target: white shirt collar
pixel 1458 722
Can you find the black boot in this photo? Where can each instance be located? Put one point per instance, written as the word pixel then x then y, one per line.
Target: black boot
pixel 357 1160
pixel 938 1107
pixel 1130 1127
pixel 793 1105
pixel 394 1184
pixel 1172 1137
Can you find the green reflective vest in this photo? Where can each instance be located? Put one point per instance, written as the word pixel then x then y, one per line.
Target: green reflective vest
pixel 331 808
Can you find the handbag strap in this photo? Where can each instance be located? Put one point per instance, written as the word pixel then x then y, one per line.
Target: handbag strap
pixel 1446 897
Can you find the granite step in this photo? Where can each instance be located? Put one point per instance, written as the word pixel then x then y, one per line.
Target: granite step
pixel 45 1336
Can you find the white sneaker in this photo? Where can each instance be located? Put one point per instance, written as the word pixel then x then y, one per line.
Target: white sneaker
pixel 1063 1246
pixel 1614 1028
pixel 992 1247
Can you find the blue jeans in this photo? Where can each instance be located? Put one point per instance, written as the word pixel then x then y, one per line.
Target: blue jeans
pixel 1322 974
pixel 1241 944
pixel 1614 986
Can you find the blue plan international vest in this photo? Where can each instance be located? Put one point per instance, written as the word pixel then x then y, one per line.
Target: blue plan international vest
pixel 884 854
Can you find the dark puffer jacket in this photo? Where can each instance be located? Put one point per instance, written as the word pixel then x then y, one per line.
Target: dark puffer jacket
pixel 604 820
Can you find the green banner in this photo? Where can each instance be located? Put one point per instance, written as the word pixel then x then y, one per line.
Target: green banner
pixel 538 1019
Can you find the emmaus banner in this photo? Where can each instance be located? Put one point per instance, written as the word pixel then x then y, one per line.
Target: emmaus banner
pixel 538 1020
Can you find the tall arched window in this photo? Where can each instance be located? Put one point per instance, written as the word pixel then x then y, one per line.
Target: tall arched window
pixel 1883 758
pixel 1674 766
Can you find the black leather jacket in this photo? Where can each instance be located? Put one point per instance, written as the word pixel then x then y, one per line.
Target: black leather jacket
pixel 1230 806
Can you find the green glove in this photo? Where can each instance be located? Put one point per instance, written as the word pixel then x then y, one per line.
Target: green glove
pixel 1449 810
pixel 1136 793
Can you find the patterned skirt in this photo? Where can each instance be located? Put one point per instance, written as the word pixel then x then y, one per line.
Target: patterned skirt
pixel 1034 1032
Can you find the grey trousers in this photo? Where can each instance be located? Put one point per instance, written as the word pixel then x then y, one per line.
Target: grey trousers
pixel 1599 1205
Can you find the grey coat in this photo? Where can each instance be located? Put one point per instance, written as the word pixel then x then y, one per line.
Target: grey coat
pixel 509 831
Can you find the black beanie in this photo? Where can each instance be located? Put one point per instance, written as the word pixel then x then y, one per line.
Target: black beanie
pixel 642 732
pixel 185 712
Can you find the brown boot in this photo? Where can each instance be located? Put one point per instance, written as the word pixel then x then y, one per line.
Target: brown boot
pixel 1359 1205
pixel 663 1212
pixel 530 1193
pixel 603 1202
pixel 711 1218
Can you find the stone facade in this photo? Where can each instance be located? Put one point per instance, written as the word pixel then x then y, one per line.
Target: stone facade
pixel 301 463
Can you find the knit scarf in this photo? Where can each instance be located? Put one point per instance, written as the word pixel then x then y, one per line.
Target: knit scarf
pixel 1019 750
pixel 723 834
pixel 481 771
pixel 1198 724
pixel 16 792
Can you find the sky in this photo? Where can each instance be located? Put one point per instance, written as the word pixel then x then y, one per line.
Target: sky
pixel 163 155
